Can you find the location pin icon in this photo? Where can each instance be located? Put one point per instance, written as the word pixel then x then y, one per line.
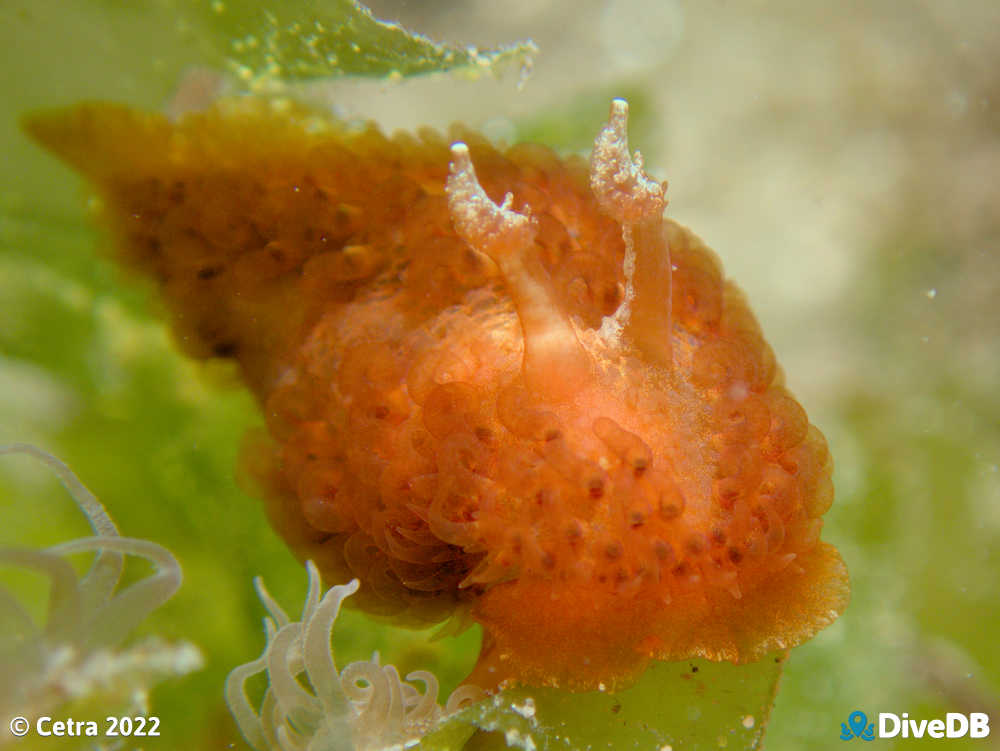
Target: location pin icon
pixel 857 721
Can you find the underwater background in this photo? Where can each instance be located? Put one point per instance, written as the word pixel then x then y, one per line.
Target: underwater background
pixel 842 160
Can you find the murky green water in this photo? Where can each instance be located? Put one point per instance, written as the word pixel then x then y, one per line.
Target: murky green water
pixel 842 161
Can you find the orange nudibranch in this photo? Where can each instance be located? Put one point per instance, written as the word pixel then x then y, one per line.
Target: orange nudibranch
pixel 495 381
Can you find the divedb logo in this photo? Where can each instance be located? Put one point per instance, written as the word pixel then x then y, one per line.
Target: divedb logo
pixel 954 725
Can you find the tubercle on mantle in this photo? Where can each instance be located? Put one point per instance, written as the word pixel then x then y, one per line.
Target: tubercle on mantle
pixel 555 362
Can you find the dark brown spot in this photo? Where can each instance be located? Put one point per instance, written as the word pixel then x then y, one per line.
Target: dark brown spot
pixel 595 487
pixel 728 490
pixel 380 412
pixel 663 550
pixel 671 503
pixel 636 519
pixel 209 272
pixel 225 349
pixel 516 543
pixel 735 555
pixel 574 531
pixel 670 511
pixel 614 551
pixel 176 192
pixel 695 544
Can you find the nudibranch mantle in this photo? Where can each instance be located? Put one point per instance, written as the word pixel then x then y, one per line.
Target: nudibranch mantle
pixel 497 383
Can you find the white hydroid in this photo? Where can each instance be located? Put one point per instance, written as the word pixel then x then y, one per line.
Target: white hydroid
pixel 310 705
pixel 76 653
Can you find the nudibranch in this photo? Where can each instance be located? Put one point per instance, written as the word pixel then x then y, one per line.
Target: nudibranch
pixel 496 382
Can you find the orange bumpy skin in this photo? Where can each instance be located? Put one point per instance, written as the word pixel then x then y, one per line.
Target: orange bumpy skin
pixel 559 418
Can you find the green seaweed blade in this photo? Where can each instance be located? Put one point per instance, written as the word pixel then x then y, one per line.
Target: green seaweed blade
pixel 676 706
pixel 301 40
